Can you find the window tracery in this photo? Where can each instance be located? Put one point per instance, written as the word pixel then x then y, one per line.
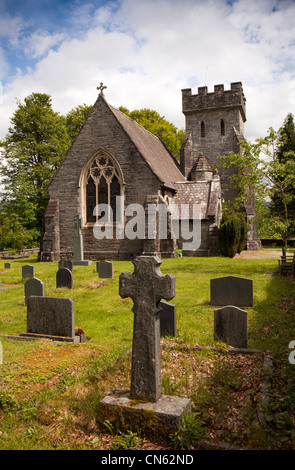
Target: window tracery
pixel 102 187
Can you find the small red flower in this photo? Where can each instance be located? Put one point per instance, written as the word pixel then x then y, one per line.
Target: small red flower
pixel 79 331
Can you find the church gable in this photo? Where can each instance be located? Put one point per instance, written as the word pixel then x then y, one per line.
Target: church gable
pixel 111 156
pixel 104 128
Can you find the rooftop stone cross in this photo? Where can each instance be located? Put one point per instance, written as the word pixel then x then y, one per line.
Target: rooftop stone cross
pixel 146 286
pixel 101 88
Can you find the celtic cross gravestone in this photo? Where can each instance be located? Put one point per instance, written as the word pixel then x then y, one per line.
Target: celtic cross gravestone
pixel 146 286
pixel 144 405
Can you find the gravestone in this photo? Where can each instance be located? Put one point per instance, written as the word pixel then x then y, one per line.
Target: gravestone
pixel 78 244
pixel 51 317
pixel 34 286
pixel 231 290
pixel 230 326
pixel 104 269
pixel 146 286
pixel 28 271
pixel 167 319
pixel 7 265
pixel 66 263
pixel 64 278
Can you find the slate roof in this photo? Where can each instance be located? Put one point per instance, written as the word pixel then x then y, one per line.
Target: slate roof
pixel 152 150
pixel 204 193
pixel 191 192
pixel 202 164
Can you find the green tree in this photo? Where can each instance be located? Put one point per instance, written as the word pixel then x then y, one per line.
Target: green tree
pixel 151 120
pixel 33 148
pixel 286 139
pixel 263 176
pixel 285 154
pixel 75 119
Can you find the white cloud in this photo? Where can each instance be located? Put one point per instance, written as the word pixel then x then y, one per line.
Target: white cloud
pixel 81 15
pixel 4 67
pixel 147 51
pixel 39 43
pixel 11 28
pixel 267 106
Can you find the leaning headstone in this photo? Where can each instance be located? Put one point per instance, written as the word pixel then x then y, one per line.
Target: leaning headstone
pixel 167 319
pixel 78 244
pixel 146 286
pixel 7 265
pixel 231 290
pixel 104 269
pixel 28 271
pixel 64 278
pixel 230 326
pixel 51 317
pixel 34 286
pixel 66 263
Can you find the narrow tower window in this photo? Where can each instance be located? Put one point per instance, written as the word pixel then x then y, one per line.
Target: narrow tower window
pixel 202 129
pixel 222 127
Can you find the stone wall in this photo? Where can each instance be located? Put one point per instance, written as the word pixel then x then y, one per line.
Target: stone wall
pixel 24 253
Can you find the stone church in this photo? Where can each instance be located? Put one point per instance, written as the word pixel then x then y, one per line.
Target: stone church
pixel 115 159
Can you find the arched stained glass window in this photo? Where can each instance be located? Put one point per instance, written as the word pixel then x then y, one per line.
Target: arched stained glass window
pixel 102 186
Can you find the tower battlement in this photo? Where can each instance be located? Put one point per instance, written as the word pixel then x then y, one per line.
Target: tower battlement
pixel 219 99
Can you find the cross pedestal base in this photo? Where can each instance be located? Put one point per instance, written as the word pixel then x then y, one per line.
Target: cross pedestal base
pixel 160 418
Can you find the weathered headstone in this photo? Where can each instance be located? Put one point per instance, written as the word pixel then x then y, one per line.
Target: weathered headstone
pixel 167 319
pixel 146 286
pixel 7 265
pixel 104 269
pixel 231 290
pixel 230 326
pixel 78 239
pixel 64 278
pixel 34 286
pixel 78 243
pixel 66 263
pixel 28 271
pixel 52 317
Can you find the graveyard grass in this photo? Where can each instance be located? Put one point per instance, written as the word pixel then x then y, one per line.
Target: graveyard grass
pixel 50 391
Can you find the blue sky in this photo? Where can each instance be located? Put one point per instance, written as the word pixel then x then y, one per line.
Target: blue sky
pixel 146 51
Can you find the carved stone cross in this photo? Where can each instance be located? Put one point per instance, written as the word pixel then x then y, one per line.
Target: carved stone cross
pixel 146 286
pixel 77 223
pixel 101 88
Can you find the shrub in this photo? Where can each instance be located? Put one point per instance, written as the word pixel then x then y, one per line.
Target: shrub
pixel 14 236
pixel 233 234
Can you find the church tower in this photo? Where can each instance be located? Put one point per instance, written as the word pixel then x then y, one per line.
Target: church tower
pixel 214 126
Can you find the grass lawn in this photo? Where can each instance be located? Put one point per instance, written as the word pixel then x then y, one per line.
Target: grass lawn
pixel 53 389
